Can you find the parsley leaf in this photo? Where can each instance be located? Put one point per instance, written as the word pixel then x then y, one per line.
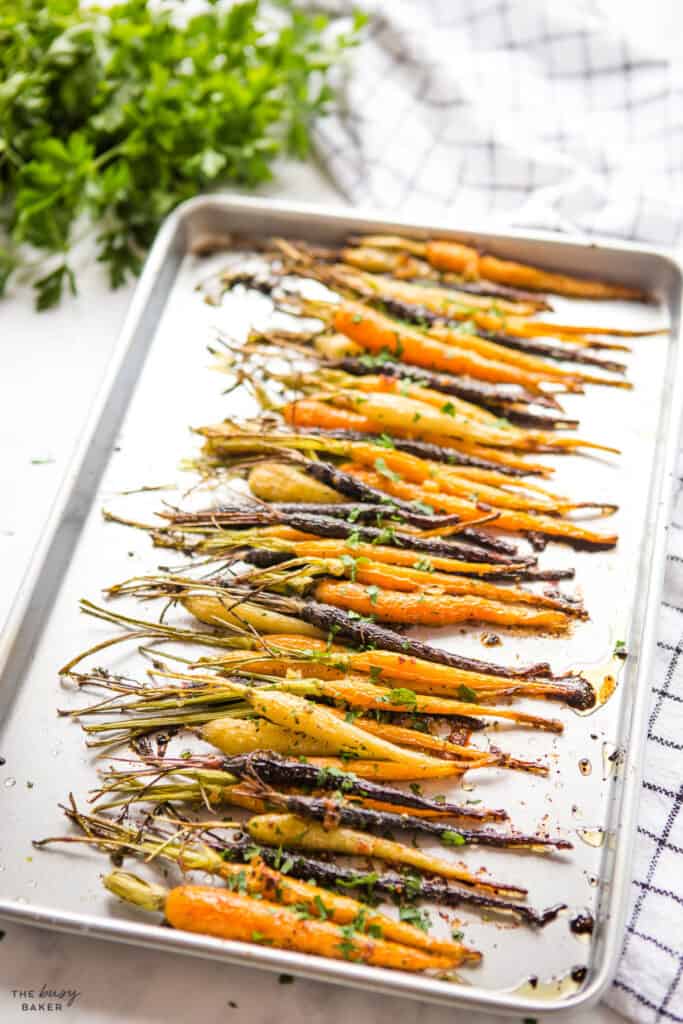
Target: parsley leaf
pixel 467 694
pixel 452 838
pixel 383 470
pixel 418 918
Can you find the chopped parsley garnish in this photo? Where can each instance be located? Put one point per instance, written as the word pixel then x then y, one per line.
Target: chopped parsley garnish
pixel 415 916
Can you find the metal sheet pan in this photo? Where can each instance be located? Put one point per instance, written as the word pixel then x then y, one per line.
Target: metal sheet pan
pixel 157 385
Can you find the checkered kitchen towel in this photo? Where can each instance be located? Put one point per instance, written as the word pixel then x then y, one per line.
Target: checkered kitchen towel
pixel 540 114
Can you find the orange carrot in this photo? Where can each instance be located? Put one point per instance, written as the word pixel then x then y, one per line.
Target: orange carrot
pixel 469 757
pixel 334 662
pixel 409 579
pixel 317 548
pixel 427 608
pixel 463 259
pixel 417 470
pixel 379 333
pixel 276 887
pixel 504 458
pixel 313 412
pixel 501 353
pixel 425 677
pixel 402 266
pixel 357 692
pixel 514 521
pixel 222 914
pixel 309 412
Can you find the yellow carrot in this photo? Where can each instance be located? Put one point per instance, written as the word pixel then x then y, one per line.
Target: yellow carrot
pixel 289 830
pixel 242 736
pixel 318 722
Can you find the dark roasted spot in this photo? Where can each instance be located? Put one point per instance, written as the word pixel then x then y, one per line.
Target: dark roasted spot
pixel 582 924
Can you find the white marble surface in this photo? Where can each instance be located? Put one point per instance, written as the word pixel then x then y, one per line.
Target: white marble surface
pixel 50 366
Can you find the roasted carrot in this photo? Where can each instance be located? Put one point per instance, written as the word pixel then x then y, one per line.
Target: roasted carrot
pixel 429 607
pixel 289 830
pixel 318 414
pixel 470 756
pixel 255 878
pixel 377 333
pixel 357 692
pixel 403 266
pixel 499 455
pixel 409 579
pixel 316 721
pixel 275 481
pixel 466 758
pixel 443 303
pixel 428 677
pixel 450 479
pixel 464 259
pixel 319 548
pixel 391 771
pixel 562 529
pixel 396 412
pixel 242 736
pixel 223 914
pixel 214 611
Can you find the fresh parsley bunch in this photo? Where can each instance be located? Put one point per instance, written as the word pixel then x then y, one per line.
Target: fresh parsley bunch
pixel 109 117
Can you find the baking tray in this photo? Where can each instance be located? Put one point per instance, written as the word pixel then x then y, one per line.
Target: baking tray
pixel 159 383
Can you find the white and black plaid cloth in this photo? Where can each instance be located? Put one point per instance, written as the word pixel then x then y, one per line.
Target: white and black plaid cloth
pixel 541 114
pixel 532 111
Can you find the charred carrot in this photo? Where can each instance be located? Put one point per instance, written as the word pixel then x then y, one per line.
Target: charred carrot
pixel 389 771
pixel 316 548
pixel 274 770
pixel 335 813
pixel 289 830
pixel 387 665
pixel 508 400
pixel 339 624
pixel 414 887
pixel 501 553
pixel 255 878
